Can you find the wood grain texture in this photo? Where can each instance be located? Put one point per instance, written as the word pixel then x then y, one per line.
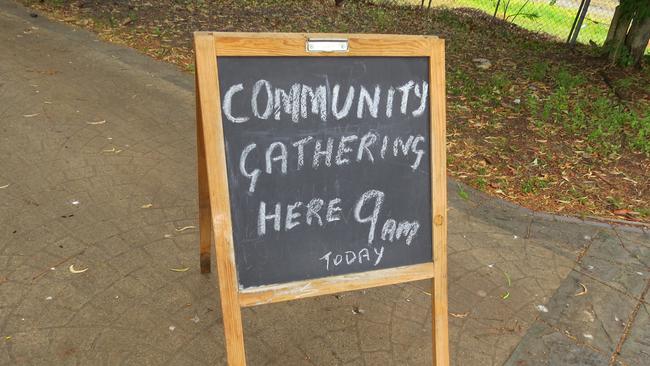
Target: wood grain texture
pixel 205 216
pixel 439 201
pixel 206 69
pixel 335 284
pixel 294 44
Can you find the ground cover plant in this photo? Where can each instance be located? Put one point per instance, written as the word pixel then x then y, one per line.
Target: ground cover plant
pixel 529 120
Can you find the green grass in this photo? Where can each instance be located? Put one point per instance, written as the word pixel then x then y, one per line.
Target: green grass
pixel 462 193
pixel 533 185
pixel 537 16
pixel 538 71
pixel 603 123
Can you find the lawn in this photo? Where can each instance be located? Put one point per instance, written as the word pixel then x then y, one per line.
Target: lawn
pixel 542 17
pixel 548 127
pixel 538 16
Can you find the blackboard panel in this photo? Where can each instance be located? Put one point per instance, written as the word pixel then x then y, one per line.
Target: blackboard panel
pixel 397 174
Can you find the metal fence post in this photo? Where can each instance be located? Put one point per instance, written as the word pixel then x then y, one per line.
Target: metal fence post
pixel 577 23
pixel 496 9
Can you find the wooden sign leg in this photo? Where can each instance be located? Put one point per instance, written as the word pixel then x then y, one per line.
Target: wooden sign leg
pixel 440 322
pixel 205 215
pixel 215 161
pixel 439 195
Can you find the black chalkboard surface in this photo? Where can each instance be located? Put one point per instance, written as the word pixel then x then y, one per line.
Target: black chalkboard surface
pixel 328 164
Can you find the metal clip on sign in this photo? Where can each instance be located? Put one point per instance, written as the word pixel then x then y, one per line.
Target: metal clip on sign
pixel 327 45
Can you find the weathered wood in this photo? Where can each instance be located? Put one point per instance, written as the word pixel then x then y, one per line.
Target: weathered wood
pixel 205 216
pixel 330 285
pixel 439 194
pixel 206 68
pixel 287 44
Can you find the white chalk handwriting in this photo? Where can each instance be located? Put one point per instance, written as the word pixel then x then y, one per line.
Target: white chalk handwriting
pixel 300 101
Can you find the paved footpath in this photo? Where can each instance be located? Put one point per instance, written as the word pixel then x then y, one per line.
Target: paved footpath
pixel 97 170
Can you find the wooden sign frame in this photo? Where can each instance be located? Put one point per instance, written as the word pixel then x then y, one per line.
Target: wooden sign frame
pixel 214 201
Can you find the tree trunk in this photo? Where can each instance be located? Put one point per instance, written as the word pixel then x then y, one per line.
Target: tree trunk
pixel 612 26
pixel 618 31
pixel 638 38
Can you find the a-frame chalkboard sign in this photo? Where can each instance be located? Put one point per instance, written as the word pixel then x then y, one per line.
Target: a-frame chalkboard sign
pixel 321 168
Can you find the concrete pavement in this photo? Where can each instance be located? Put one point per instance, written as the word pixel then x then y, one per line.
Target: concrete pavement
pixel 98 170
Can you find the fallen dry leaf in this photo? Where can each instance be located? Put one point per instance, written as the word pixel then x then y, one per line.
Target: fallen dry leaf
pixel 73 270
pixel 624 212
pixel 112 150
pixel 185 228
pixel 459 315
pixel 179 269
pixel 583 291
